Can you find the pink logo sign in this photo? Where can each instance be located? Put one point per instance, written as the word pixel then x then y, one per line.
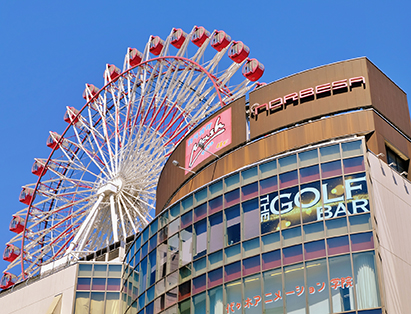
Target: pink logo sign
pixel 208 140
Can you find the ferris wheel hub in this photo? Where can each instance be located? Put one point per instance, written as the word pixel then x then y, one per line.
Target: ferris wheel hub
pixel 112 187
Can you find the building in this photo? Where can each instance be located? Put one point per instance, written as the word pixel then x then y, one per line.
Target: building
pixel 295 202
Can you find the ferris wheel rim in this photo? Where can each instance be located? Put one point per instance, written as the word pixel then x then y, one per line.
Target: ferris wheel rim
pixel 91 100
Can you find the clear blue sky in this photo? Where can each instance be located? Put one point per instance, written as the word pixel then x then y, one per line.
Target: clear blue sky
pixel 50 49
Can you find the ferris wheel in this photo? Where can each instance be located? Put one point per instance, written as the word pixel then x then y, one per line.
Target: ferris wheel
pixel 98 185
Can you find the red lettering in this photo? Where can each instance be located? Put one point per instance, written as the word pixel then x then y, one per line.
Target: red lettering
pixel 275 103
pixel 292 97
pixel 256 106
pixel 306 92
pixel 324 88
pixel 357 79
pixel 339 84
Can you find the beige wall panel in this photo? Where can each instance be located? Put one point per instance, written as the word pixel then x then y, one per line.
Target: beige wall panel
pixel 392 208
pixel 37 296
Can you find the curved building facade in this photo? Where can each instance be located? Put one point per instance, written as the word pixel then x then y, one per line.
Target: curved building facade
pixel 281 205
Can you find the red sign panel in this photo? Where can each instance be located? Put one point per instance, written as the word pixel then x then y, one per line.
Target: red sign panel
pixel 208 140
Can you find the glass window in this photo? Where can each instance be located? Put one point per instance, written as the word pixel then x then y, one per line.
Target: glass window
pixel 231 198
pixel 215 300
pixel 269 221
pixel 114 271
pixel 336 226
pixel 82 302
pixel 309 174
pixel 249 191
pixel 199 284
pixel 269 185
pixel 233 234
pixel 215 259
pixel 162 221
pixel 270 241
pixel 288 179
pixel 114 284
pixel 200 212
pixel 152 258
pixel 187 203
pixel 97 303
pixel 216 232
pixel 159 304
pixel 351 148
pixel 83 283
pixel 268 169
pixel 251 247
pixel 341 283
pixel 153 242
pixel 144 250
pixel 251 219
pixel 317 287
pixel 360 223
pixel 185 273
pixel 99 284
pixel 162 235
pixel 144 236
pixel 273 291
pixel 200 240
pixel 333 199
pixel 233 292
pixel 112 302
pixel 215 277
pixel 173 227
pixel 292 254
pixel 251 265
pixel 271 259
pixel 338 245
pixel 186 219
pixel 173 253
pixel 216 188
pixel 310 199
pixel 252 295
pixel 215 205
pixel 362 241
pixel 161 286
pixel 199 266
pixel 355 164
pixel 184 291
pixel 232 271
pixel 288 208
pixel 199 303
pixel 330 152
pixel 308 158
pixel 200 196
pixel 291 236
pixel 366 280
pixel 183 307
pixel 314 249
pixel 232 253
pixel 142 301
pixel 150 295
pixel 232 182
pixel 162 260
pixel 143 275
pixel 153 227
pixel 331 169
pixel 100 270
pixel 171 297
pixel 287 163
pixel 249 175
pixel 175 211
pixel 294 289
pixel 172 280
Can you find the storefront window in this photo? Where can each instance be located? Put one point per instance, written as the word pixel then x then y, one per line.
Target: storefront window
pixel 215 300
pixel 294 289
pixel 366 281
pixel 341 283
pixel 273 292
pixel 317 287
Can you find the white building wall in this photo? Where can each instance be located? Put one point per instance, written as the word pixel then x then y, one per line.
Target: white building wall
pixel 392 207
pixel 36 297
